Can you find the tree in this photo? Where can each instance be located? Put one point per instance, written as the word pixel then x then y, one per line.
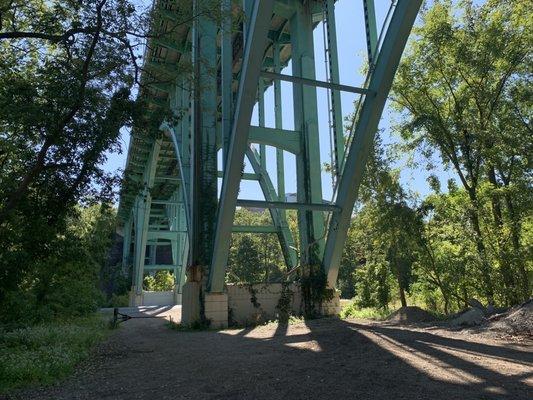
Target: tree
pixel 62 274
pixel 458 89
pixel 254 258
pixel 160 281
pixel 68 70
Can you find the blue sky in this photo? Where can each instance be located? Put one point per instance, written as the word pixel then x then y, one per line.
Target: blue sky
pixel 352 56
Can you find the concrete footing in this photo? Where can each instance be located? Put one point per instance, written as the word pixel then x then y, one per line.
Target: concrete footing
pixel 136 299
pixel 215 306
pixel 332 307
pixel 216 309
pixel 190 296
pixel 252 304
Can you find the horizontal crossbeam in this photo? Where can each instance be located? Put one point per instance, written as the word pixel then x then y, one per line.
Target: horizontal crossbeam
pixel 280 138
pixel 169 235
pixel 287 206
pixel 245 176
pixel 165 202
pixel 153 267
pixel 167 178
pixel 315 83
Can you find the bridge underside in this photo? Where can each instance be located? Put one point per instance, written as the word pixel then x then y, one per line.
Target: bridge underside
pixel 201 82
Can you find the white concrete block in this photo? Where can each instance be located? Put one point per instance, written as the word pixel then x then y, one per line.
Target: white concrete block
pixel 190 311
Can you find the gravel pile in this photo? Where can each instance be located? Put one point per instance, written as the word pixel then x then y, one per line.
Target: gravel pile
pixel 410 315
pixel 518 321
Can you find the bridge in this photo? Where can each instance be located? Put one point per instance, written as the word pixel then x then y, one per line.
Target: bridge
pixel 201 81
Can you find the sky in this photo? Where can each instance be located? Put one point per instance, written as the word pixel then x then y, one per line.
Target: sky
pixel 352 56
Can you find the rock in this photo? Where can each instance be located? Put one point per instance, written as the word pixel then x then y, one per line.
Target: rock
pixel 477 304
pixel 490 309
pixel 472 317
pixel 493 310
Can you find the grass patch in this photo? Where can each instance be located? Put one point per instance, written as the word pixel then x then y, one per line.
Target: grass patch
pixel 352 311
pixel 44 353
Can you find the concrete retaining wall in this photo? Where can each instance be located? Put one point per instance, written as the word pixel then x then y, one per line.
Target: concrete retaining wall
pixel 158 298
pixel 246 304
pixel 252 304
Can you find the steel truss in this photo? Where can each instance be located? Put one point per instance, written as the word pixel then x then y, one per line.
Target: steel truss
pixel 170 193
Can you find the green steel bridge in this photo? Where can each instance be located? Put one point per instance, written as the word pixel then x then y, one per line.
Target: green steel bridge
pixel 207 76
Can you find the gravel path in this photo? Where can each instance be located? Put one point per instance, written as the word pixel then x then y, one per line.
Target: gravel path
pixel 321 359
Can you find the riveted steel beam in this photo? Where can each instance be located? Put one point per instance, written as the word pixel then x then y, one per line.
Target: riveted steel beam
pixel 365 130
pixel 288 205
pixel 314 82
pixel 256 40
pixel 245 176
pixel 371 31
pixel 281 138
pixel 204 133
pixel 308 165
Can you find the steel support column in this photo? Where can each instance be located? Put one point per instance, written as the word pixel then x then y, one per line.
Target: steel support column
pixel 203 202
pixel 371 31
pixel 226 55
pixel 308 167
pixel 142 217
pixel 126 244
pixel 256 39
pixel 280 162
pixel 336 112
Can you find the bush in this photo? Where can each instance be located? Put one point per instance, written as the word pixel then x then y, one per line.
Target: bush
pixel 159 282
pixel 353 311
pixel 116 300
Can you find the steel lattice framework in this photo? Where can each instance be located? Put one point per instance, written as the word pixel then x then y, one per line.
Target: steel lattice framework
pixel 210 75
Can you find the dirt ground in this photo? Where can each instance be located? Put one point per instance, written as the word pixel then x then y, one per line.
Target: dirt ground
pixel 320 359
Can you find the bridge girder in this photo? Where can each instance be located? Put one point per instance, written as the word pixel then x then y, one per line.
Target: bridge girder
pixel 231 71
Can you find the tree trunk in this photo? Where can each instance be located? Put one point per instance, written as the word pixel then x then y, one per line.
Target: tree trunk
pixel 480 246
pixel 403 300
pixel 515 239
pixel 506 265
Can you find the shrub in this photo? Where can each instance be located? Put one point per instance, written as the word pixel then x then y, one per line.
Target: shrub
pixel 353 311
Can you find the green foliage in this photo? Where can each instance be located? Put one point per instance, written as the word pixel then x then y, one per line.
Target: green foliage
pixel 315 290
pixel 44 353
pixel 354 311
pixel 199 325
pixel 254 258
pixel 117 300
pixel 66 73
pixel 284 303
pixel 63 280
pixel 461 89
pixel 159 282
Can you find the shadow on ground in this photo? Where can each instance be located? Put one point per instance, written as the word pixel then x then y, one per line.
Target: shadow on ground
pixel 321 359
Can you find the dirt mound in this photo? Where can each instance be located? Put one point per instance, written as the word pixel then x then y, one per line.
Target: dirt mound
pixel 410 315
pixel 517 321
